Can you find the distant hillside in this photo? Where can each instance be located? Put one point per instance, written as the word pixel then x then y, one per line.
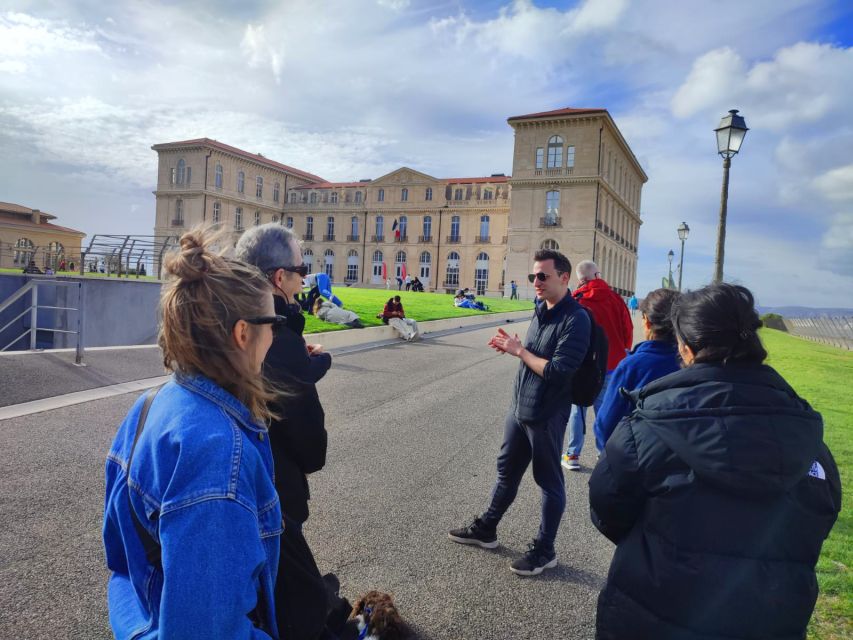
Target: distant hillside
pixel 806 312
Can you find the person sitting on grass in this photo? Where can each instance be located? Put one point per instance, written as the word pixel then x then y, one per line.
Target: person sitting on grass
pixel 717 490
pixel 468 303
pixel 328 312
pixel 394 315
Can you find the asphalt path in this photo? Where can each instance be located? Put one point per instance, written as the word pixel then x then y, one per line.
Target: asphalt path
pixel 414 432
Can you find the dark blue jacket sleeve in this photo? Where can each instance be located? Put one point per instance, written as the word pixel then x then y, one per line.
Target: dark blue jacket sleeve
pixel 616 488
pixel 570 351
pixel 614 406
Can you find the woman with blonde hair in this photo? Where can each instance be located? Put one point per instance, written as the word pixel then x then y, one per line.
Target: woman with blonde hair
pixel 191 518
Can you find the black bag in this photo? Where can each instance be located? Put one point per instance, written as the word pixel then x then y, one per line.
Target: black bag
pixel 589 378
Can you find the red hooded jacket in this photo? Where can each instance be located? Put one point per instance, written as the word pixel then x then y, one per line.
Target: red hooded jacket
pixel 611 314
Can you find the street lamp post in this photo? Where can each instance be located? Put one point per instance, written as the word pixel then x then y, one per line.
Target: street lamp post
pixel 730 135
pixel 683 232
pixel 670 256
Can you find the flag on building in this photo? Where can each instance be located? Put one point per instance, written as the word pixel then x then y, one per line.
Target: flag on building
pixel 395 230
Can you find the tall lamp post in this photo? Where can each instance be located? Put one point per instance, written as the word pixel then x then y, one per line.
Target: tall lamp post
pixel 730 135
pixel 669 281
pixel 683 232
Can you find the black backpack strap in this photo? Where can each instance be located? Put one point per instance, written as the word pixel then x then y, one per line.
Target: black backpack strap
pixel 152 548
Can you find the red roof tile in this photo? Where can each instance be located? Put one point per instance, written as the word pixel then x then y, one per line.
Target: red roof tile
pixel 11 207
pixel 238 152
pixel 332 185
pixel 568 111
pixel 45 226
pixel 496 179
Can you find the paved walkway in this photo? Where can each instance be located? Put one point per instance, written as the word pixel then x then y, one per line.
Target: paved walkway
pixel 414 431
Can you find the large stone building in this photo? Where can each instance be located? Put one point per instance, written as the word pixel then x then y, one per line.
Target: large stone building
pixel 28 234
pixel 575 186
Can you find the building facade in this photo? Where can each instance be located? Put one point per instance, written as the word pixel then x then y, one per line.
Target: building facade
pixel 29 235
pixel 477 232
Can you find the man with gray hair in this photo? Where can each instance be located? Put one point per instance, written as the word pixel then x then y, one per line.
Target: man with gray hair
pixel 298 439
pixel 610 313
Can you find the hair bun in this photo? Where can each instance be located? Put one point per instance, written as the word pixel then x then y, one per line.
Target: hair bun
pixel 193 260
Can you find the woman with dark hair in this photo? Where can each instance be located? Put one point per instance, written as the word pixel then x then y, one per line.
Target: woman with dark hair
pixel 191 516
pixel 654 358
pixel 718 490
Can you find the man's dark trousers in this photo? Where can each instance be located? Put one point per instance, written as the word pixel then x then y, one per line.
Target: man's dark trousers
pixel 541 444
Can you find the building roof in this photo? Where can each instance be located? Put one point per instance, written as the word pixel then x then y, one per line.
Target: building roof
pixel 567 111
pixel 331 185
pixel 227 148
pixel 490 179
pixel 10 207
pixel 26 222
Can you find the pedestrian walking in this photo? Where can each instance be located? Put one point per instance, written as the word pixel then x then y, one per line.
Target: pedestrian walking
pixel 609 312
pixel 649 360
pixel 633 305
pixel 297 435
pixel 408 282
pixel 192 521
pixel 555 346
pixel 513 289
pixel 717 490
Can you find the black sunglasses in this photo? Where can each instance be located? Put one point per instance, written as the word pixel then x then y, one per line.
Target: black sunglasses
pixel 542 277
pixel 301 269
pixel 277 322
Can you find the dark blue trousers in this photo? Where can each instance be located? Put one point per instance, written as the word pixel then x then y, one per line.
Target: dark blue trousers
pixel 540 443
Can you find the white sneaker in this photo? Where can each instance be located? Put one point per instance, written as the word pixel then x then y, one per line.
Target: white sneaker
pixel 570 462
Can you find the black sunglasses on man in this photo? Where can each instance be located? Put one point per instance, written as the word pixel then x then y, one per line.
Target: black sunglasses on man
pixel 301 269
pixel 541 276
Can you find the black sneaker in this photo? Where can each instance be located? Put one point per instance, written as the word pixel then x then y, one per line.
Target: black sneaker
pixel 476 533
pixel 534 561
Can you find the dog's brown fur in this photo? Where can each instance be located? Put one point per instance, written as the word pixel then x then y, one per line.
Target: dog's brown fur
pixel 385 621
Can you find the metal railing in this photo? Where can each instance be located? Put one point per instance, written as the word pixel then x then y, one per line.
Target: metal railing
pixel 832 330
pixel 33 309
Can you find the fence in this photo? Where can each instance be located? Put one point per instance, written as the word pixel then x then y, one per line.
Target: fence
pixel 833 330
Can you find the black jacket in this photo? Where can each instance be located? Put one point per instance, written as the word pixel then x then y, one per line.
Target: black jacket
pixel 719 492
pixel 560 335
pixel 298 439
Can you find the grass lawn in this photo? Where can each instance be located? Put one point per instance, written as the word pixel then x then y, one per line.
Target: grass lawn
pixel 419 306
pixel 823 375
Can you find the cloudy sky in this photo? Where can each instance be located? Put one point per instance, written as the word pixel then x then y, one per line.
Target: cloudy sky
pixel 351 89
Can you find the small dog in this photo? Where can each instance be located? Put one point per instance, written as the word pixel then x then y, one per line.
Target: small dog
pixel 377 618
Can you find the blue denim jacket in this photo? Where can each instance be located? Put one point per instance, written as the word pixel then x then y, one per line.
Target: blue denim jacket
pixel 201 483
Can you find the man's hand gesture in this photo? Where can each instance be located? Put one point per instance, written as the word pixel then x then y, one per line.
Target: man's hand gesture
pixel 505 343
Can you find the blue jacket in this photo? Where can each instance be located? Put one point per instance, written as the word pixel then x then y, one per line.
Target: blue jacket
pixel 561 336
pixel 647 361
pixel 201 483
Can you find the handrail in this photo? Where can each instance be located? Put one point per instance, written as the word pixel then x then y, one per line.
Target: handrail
pixel 17 295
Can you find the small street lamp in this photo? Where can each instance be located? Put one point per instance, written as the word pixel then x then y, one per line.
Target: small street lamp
pixel 670 256
pixel 683 232
pixel 730 135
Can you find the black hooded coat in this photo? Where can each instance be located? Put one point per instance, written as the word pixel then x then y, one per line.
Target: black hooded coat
pixel 718 491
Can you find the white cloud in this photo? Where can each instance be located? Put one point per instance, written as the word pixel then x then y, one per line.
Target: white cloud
pixel 396 5
pixel 836 184
pixel 259 52
pixel 24 37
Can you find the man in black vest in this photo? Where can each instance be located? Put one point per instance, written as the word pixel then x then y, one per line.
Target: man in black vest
pixel 554 348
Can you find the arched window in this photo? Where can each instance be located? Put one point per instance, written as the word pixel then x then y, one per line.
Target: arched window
pixel 380 196
pixel 241 182
pixel 404 195
pixel 404 228
pixel 276 191
pixel 358 196
pixel 454 229
pixel 553 245
pixel 488 194
pixel 377 266
pixel 217 212
pixel 380 228
pixel 329 263
pixel 427 228
pixel 182 171
pixel 555 152
pixel 293 197
pixel 333 197
pixel 484 229
pixel 481 273
pixel 352 266
pixel 400 264
pixel 428 194
pixel 353 224
pixel 308 259
pixel 452 277
pixel 425 264
pixel 55 254
pixel 217 180
pixel 330 228
pixel 24 251
pixel 313 197
pixel 552 207
pixel 309 228
pixel 259 187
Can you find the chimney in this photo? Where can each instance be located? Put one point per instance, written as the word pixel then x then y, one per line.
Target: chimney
pixel 35 216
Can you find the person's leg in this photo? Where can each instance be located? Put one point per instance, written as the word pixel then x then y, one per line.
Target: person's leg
pixel 512 463
pixel 546 441
pixel 400 327
pixel 576 429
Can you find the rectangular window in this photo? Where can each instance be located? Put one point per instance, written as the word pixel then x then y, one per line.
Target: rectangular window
pixel 333 197
pixel 258 218
pixel 290 222
pixel 238 218
pixel 570 156
pixel 540 157
pixel 352 272
pixel 275 192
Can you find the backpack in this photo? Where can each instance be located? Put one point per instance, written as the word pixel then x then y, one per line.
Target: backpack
pixel 589 378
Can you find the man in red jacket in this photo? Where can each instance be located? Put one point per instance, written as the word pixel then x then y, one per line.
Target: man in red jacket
pixel 611 314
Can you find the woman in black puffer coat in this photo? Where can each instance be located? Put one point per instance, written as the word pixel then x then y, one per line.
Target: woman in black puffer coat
pixel 718 491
